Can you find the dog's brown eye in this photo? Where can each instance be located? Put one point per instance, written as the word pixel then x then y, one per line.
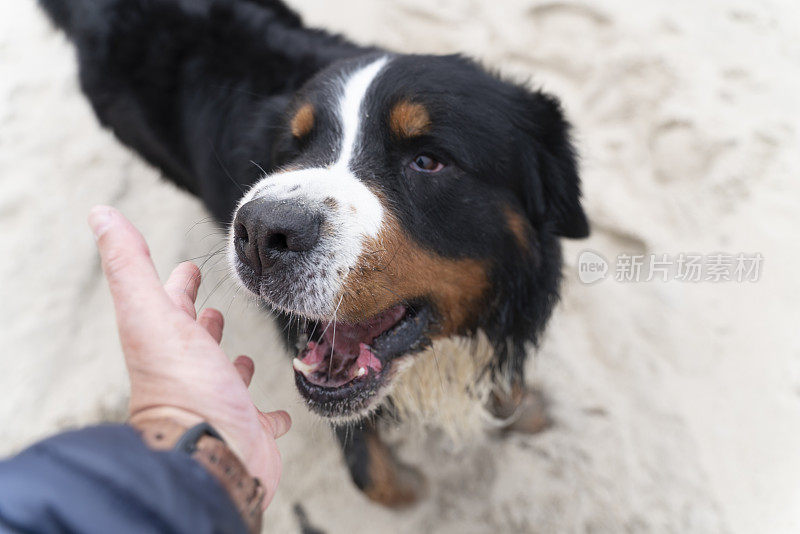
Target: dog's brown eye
pixel 423 163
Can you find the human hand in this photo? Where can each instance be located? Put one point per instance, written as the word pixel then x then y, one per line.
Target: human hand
pixel 176 366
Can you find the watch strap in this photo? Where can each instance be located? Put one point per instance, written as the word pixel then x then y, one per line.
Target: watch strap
pixel 208 448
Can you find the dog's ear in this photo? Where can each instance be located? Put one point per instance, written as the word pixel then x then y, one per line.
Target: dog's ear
pixel 552 187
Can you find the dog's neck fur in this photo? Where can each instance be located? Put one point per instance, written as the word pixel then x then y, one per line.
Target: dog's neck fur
pixel 447 386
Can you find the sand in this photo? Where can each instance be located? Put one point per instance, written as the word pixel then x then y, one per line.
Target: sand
pixel 676 405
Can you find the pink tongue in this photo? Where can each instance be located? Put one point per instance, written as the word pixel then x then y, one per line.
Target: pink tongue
pixel 351 353
pixel 348 337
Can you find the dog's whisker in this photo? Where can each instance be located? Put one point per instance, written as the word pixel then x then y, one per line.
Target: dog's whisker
pixel 217 257
pixel 204 220
pixel 206 256
pixel 233 298
pixel 316 324
pixel 333 342
pixel 259 167
pixel 228 174
pixel 213 290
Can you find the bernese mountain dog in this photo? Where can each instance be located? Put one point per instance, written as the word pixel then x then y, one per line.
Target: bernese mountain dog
pixel 393 203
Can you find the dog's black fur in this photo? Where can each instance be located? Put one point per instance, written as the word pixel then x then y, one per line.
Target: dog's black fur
pixel 198 87
pixel 204 90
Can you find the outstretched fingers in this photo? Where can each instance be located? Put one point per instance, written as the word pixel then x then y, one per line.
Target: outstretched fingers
pixel 135 288
pixel 182 286
pixel 276 423
pixel 245 367
pixel 213 322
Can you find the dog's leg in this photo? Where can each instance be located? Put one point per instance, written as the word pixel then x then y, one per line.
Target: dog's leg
pixel 520 407
pixel 376 471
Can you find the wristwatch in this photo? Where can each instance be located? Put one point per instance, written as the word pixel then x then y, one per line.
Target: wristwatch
pixel 205 445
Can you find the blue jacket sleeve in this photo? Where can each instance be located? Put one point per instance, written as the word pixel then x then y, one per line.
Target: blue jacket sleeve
pixel 105 479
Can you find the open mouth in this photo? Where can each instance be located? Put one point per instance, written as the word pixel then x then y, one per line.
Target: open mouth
pixel 341 367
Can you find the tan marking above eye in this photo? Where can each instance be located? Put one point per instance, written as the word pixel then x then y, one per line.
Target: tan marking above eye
pixel 518 226
pixel 409 119
pixel 303 121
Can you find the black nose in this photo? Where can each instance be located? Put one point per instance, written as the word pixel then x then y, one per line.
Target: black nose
pixel 266 230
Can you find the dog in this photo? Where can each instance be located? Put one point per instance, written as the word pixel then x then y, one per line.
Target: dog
pixel 396 205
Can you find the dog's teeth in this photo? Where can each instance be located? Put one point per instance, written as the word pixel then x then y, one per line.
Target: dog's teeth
pixel 302 367
pixel 361 372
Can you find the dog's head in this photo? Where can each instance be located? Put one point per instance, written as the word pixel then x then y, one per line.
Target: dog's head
pixel 412 198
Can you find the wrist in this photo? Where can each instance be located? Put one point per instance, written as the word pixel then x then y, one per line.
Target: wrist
pixel 167 428
pixel 179 415
pixel 186 418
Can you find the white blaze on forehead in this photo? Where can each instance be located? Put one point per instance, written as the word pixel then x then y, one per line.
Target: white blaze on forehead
pixel 354 94
pixel 356 214
pixel 338 180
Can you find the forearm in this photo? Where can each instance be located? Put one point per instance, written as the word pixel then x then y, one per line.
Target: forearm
pixel 105 479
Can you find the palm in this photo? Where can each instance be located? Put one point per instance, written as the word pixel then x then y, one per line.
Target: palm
pixel 174 358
